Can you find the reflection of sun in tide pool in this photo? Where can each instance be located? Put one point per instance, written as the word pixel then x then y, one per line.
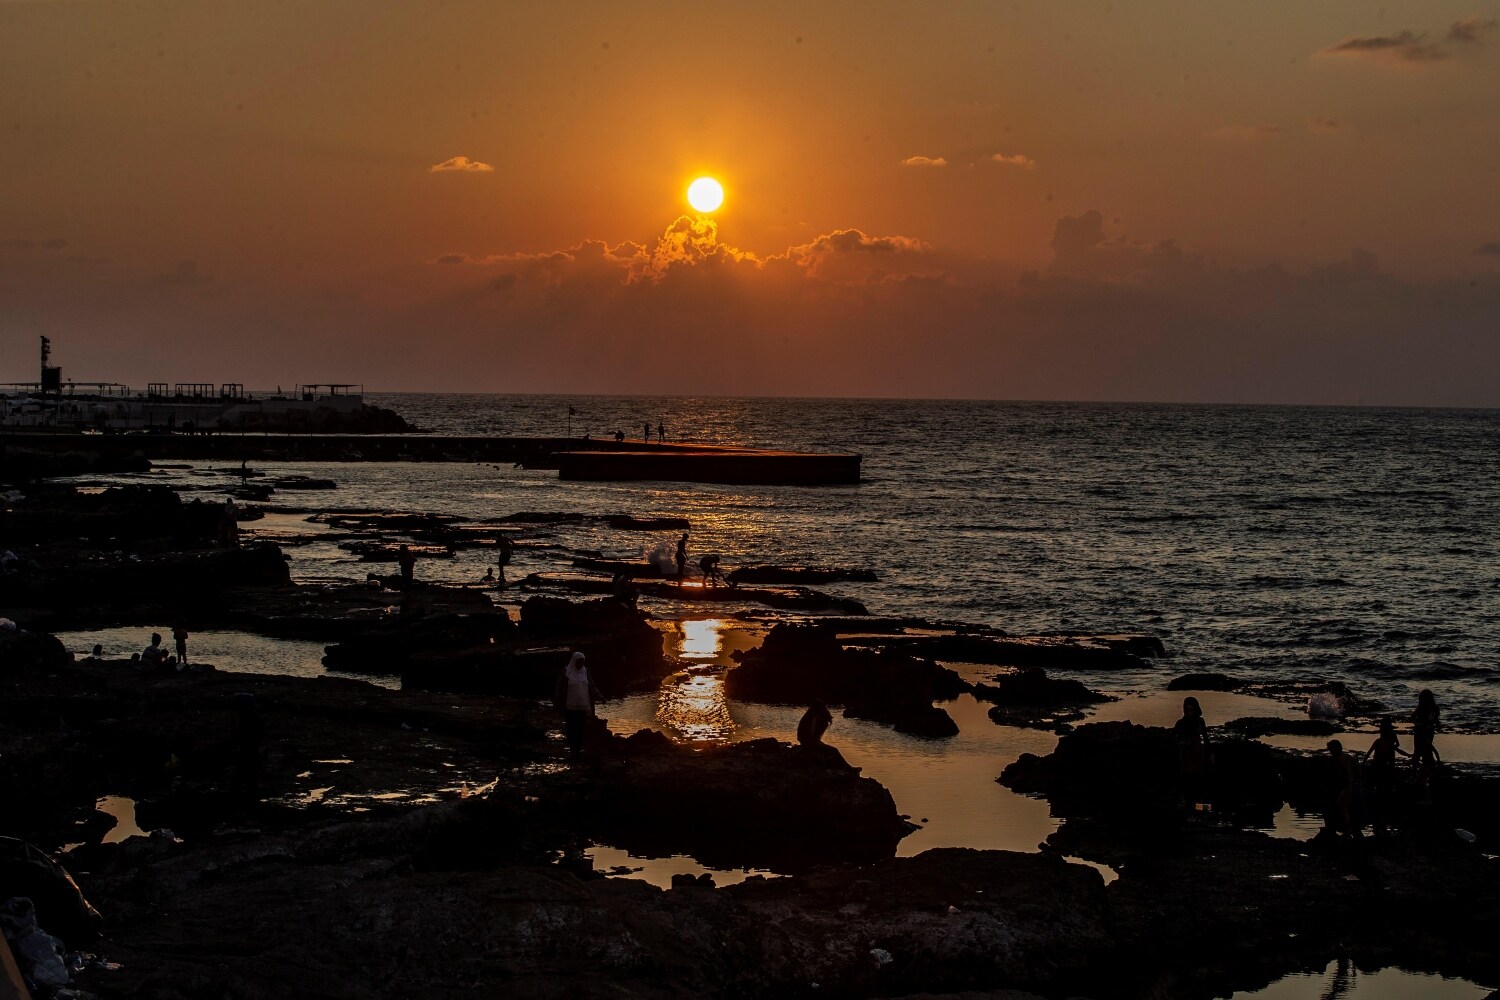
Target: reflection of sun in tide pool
pixel 700 639
pixel 705 195
pixel 692 704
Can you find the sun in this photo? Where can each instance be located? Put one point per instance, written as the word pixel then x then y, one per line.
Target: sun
pixel 705 195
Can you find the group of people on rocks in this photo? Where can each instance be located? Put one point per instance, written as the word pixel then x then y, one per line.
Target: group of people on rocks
pixel 155 658
pixel 1355 786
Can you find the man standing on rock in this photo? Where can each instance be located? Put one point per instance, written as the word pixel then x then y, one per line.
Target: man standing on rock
pixel 576 695
pixel 408 564
pixel 682 558
pixel 506 548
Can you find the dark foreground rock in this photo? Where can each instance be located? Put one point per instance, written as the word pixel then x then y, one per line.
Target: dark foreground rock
pixel 798 664
pixel 762 803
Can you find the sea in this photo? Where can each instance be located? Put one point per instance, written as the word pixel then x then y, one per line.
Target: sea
pixel 1271 543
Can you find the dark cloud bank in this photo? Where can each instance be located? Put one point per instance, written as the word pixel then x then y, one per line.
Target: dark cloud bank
pixel 845 314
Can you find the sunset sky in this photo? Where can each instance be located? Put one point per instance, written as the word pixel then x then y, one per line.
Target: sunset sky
pixel 1059 199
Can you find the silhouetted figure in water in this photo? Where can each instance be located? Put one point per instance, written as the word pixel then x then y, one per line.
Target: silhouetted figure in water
pixel 1343 788
pixel 408 563
pixel 682 558
pixel 244 750
pixel 1424 729
pixel 815 722
pixel 619 437
pixel 622 585
pixel 229 526
pixel 661 433
pixel 489 575
pixel 180 637
pixel 1191 736
pixel 712 577
pixel 575 696
pixel 1383 775
pixel 505 548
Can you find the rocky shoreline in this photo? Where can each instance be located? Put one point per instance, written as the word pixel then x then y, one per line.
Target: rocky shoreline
pixel 431 841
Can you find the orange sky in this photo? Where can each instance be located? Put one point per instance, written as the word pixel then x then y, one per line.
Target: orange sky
pixel 1295 202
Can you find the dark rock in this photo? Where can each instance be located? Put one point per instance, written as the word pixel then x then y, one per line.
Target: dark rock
pixel 542 517
pixel 1071 652
pixel 23 650
pixel 786 598
pixel 1261 725
pixel 1032 686
pixel 1203 682
pixel 624 652
pixel 1131 773
pixel 755 803
pixel 634 570
pixel 797 664
pixel 1028 697
pixel 630 522
pixel 799 574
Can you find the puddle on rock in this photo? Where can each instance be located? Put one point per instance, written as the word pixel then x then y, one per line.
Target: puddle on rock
pixel 123 810
pixel 1341 979
pixel 617 863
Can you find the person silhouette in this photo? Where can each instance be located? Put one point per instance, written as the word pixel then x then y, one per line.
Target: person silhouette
pixel 682 558
pixel 1383 775
pixel 1191 735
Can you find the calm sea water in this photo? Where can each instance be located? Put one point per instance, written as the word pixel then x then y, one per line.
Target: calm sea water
pixel 1285 542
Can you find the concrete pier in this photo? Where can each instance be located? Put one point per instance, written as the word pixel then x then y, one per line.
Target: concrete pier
pixel 574 458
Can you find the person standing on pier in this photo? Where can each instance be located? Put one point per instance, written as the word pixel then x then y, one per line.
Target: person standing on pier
pixel 661 433
pixel 681 558
pixel 408 563
pixel 646 433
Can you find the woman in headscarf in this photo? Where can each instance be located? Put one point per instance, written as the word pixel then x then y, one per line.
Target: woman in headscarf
pixel 576 695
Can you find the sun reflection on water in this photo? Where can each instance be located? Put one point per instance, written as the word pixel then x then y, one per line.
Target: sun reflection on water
pixel 693 707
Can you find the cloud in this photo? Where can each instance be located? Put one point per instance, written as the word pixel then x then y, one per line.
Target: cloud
pixel 1490 249
pixel 185 273
pixel 1319 123
pixel 1243 133
pixel 924 161
pixel 462 164
pixel 1016 160
pixel 1472 29
pixel 27 246
pixel 1404 46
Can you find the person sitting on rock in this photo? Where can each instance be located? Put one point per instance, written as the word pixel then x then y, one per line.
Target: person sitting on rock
pixel 154 657
pixel 622 585
pixel 1191 735
pixel 1343 788
pixel 97 654
pixel 815 722
pixel 575 696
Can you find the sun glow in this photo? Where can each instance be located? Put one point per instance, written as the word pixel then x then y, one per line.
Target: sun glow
pixel 705 195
